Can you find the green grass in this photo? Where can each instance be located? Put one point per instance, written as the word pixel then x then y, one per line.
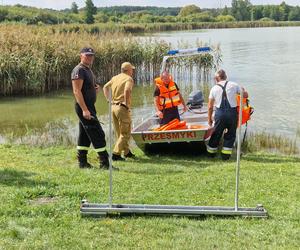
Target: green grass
pixel 41 190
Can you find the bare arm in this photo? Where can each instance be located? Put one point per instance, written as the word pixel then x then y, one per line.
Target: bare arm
pixel 106 88
pixel 245 93
pixel 156 105
pixel 210 107
pixel 183 102
pixel 77 86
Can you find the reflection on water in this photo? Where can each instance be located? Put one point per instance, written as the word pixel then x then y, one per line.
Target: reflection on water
pixel 264 60
pixel 51 120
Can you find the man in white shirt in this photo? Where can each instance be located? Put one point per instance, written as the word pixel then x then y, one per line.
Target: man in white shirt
pixel 223 97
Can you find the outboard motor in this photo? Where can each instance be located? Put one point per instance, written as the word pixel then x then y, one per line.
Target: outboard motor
pixel 195 100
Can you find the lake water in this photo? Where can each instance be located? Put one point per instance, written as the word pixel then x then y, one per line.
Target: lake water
pixel 265 61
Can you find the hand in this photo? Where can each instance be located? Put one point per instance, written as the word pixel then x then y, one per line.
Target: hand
pixel 97 87
pixel 184 108
pixel 210 122
pixel 86 114
pixel 159 114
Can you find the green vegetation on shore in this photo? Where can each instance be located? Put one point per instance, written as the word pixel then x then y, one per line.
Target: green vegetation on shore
pixel 41 190
pixel 140 28
pixel 240 10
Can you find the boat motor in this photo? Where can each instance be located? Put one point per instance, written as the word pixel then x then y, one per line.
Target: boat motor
pixel 195 100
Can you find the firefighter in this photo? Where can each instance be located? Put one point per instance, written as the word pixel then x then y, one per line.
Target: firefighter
pixel 223 97
pixel 85 91
pixel 167 98
pixel 121 86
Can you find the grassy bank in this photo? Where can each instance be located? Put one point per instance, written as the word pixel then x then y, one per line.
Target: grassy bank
pixel 41 190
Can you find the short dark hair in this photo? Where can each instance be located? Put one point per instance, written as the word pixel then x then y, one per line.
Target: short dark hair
pixel 222 74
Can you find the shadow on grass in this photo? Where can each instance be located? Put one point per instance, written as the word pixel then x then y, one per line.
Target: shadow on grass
pixel 153 171
pixel 167 165
pixel 173 162
pixel 179 148
pixel 201 217
pixel 11 177
pixel 271 159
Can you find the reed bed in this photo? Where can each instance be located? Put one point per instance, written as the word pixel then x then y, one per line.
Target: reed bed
pixel 262 141
pixel 298 132
pixel 36 60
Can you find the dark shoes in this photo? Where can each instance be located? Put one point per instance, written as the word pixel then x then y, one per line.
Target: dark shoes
pixel 84 165
pixel 225 157
pixel 116 157
pixel 130 155
pixel 106 167
pixel 211 155
pixel 82 159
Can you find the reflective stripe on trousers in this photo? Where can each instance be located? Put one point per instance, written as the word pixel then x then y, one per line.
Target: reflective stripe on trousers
pixel 226 151
pixel 211 150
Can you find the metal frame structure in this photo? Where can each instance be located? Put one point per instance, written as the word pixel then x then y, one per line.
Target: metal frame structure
pixel 94 209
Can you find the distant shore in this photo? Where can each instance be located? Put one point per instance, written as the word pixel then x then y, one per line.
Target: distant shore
pixel 139 28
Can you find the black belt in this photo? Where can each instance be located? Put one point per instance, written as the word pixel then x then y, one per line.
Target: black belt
pixel 120 104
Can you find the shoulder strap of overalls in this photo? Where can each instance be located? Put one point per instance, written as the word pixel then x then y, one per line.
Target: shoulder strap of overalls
pixel 224 89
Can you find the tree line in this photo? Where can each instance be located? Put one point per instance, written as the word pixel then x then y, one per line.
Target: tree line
pixel 240 10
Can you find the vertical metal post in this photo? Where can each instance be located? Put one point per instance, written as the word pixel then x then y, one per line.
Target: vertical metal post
pixel 238 156
pixel 164 63
pixel 110 150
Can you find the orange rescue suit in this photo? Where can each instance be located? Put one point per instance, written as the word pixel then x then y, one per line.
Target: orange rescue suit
pixel 246 111
pixel 169 96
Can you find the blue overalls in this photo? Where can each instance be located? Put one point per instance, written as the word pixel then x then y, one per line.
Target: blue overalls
pixel 225 118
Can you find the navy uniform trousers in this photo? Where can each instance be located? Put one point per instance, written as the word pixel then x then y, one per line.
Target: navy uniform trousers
pixel 90 132
pixel 225 118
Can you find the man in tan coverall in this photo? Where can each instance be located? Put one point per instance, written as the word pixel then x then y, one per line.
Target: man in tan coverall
pixel 121 86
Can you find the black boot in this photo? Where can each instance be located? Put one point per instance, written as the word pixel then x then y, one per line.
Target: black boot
pixel 82 159
pixel 211 155
pixel 225 157
pixel 116 157
pixel 104 161
pixel 130 155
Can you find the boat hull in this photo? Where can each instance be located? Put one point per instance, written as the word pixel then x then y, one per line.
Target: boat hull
pixel 198 131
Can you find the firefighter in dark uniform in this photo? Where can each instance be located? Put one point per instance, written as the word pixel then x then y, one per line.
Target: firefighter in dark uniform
pixel 167 98
pixel 85 91
pixel 223 97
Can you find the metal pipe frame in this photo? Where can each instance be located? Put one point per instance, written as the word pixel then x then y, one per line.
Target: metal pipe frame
pixel 93 209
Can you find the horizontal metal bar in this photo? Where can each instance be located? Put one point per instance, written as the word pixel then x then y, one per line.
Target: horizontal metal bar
pixel 104 209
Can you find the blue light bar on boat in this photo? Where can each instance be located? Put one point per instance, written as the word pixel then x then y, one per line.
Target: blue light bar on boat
pixel 183 51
